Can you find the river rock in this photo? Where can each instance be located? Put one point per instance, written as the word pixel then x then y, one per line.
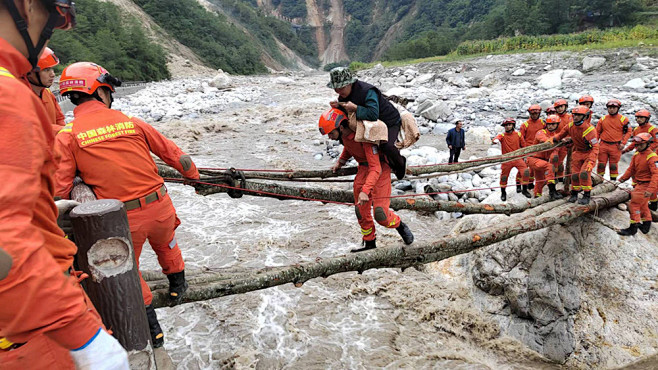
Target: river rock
pixel 572 73
pixel 478 135
pixel 551 80
pixel 519 72
pixel 221 81
pixel 439 110
pixel 590 63
pixel 284 81
pixel 636 83
pixel 489 80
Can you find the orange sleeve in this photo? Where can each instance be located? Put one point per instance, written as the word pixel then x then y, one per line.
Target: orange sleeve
pixel 66 165
pixel 594 141
pixel 60 118
pixel 499 137
pixel 627 127
pixel 541 137
pixel 653 145
pixel 599 126
pixel 374 167
pixel 36 296
pixel 522 143
pixel 344 156
pixel 165 149
pixel 631 146
pixel 523 129
pixel 630 171
pixel 563 133
pixel 653 163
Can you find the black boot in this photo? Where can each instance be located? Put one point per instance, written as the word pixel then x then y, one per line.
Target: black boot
pixel 552 193
pixel 177 288
pixel 645 227
pixel 503 194
pixel 574 197
pixel 405 233
pixel 525 192
pixel 631 230
pixel 531 186
pixel 653 206
pixel 561 179
pixel 401 171
pixel 157 337
pixel 367 244
pixel 518 188
pixel 585 198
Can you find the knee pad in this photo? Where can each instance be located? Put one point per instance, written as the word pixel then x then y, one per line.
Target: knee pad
pixel 526 173
pixel 503 179
pixel 554 159
pixel 574 177
pixel 584 175
pixel 613 166
pixel 5 264
pixel 560 167
pixel 380 214
pixel 358 213
pixel 600 167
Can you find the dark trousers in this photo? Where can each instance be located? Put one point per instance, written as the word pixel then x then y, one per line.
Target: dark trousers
pixel 454 155
pixel 392 153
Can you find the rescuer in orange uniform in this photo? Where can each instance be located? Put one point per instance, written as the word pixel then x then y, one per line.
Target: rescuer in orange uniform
pixel 111 152
pixel 585 152
pixel 644 170
pixel 541 163
pixel 588 101
pixel 613 130
pixel 41 78
pixel 46 321
pixel 372 185
pixel 642 118
pixel 561 106
pixel 529 129
pixel 510 141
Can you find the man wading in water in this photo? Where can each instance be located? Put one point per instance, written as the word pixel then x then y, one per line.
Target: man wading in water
pixel 372 185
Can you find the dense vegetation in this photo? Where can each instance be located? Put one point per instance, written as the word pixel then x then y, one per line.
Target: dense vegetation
pixel 217 42
pixel 291 8
pixel 266 28
pixel 442 24
pixel 105 36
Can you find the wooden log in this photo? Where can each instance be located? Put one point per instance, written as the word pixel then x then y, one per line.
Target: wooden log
pixel 82 192
pixel 400 257
pixel 106 254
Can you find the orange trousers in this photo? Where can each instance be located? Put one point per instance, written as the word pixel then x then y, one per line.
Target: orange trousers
pixel 581 178
pixel 639 207
pixel 558 162
pixel 522 176
pixel 544 173
pixel 156 222
pixel 609 153
pixel 379 201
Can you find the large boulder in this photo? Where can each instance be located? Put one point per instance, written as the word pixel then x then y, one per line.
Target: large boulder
pixel 551 79
pixel 636 83
pixel 590 63
pixel 221 81
pixel 439 110
pixel 478 135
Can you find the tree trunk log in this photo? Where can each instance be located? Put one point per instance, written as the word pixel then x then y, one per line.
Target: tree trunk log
pixel 398 257
pixel 106 254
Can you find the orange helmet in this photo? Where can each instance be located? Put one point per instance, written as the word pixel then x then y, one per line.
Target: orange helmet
pixel 643 137
pixel 560 102
pixel 581 109
pixel 552 119
pixel 535 108
pixel 330 120
pixel 613 103
pixel 508 121
pixel 86 77
pixel 48 59
pixel 585 99
pixel 550 110
pixel 643 113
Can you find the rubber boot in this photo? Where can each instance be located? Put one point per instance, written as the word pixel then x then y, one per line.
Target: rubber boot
pixel 552 193
pixel 531 186
pixel 157 337
pixel 645 227
pixel 585 198
pixel 653 206
pixel 574 197
pixel 631 230
pixel 367 244
pixel 518 188
pixel 177 287
pixel 525 192
pixel 402 171
pixel 405 233
pixel 503 194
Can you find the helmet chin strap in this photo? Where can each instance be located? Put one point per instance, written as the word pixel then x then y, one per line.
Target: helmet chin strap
pixel 38 82
pixel 32 50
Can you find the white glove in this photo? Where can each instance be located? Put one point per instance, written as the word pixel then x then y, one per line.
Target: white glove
pixel 102 352
pixel 64 207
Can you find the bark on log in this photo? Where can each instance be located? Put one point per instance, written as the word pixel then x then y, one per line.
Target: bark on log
pixel 401 257
pixel 106 254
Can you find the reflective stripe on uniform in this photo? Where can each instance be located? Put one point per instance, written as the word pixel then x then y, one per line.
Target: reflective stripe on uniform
pixel 5 73
pixel 589 129
pixel 366 232
pixel 67 128
pixel 651 155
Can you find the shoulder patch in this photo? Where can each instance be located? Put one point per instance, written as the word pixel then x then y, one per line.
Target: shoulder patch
pixel 594 141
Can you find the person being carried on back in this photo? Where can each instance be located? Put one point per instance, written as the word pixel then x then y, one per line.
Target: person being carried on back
pixel 370 105
pixel 372 185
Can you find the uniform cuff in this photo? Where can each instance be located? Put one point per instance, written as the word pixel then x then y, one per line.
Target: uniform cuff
pixel 76 333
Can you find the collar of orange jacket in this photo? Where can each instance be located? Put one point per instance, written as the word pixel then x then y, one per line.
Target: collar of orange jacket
pixel 88 107
pixel 15 62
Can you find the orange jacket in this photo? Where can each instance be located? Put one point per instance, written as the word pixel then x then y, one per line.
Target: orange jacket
pixel 367 155
pixel 112 154
pixel 510 142
pixel 36 297
pixel 529 129
pixel 648 128
pixel 614 129
pixel 565 118
pixel 543 136
pixel 584 139
pixel 53 109
pixel 643 168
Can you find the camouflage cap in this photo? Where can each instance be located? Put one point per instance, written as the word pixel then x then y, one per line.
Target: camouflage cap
pixel 340 77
